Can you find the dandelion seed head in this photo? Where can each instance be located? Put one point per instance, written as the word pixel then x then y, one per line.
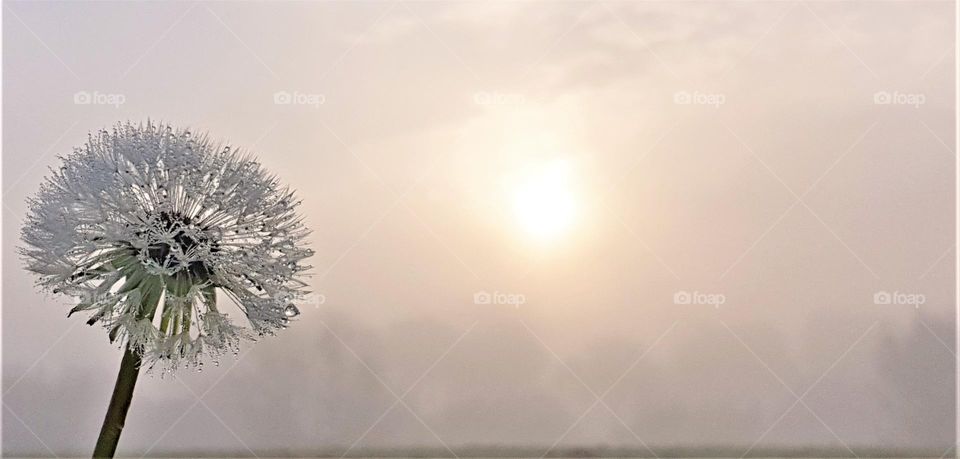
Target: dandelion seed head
pixel 146 225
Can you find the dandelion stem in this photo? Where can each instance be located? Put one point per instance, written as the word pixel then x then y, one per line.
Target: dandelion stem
pixel 119 404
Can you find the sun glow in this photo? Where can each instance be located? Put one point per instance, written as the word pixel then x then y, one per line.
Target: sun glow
pixel 544 202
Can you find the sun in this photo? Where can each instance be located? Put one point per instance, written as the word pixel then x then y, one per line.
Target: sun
pixel 544 201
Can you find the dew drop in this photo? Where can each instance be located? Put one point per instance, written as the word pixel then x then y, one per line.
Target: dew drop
pixel 291 311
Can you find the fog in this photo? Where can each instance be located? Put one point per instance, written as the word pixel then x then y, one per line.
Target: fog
pixel 750 180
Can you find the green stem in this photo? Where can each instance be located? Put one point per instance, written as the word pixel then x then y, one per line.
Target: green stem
pixel 151 290
pixel 119 404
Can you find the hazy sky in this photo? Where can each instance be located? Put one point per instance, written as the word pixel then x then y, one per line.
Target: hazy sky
pixel 790 160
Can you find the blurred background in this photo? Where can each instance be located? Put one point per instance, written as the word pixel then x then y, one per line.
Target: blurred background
pixel 540 227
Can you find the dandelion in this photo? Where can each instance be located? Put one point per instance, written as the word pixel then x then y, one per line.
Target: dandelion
pixel 145 226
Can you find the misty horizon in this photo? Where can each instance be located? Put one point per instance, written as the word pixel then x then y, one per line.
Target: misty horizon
pixel 540 228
